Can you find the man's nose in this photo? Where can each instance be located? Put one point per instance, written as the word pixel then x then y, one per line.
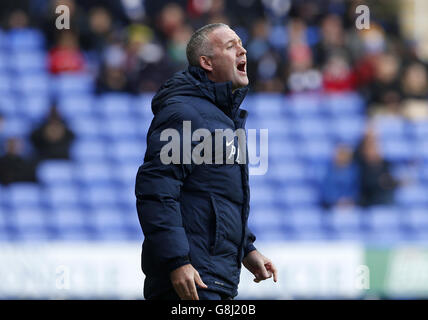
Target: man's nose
pixel 241 50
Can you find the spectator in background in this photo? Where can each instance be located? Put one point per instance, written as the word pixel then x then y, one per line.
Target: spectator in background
pixel 332 40
pixel 176 47
pixel 18 19
pixel 338 75
pixel 147 64
pixel 376 182
pixel 66 56
pixel 2 124
pixel 302 75
pixel 340 183
pixel 13 166
pixel 385 91
pixel 100 29
pixel 170 18
pixel 414 86
pixel 112 75
pixel 263 63
pixel 52 140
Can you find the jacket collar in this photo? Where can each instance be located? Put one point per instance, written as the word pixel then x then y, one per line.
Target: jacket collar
pixel 220 93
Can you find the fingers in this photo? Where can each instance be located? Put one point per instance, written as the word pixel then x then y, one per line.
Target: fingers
pixel 266 272
pixel 185 285
pixel 192 289
pixel 271 267
pixel 199 281
pixel 186 290
pixel 182 291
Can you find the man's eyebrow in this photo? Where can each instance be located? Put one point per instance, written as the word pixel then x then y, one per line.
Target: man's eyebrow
pixel 234 40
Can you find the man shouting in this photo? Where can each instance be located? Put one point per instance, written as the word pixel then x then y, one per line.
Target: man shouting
pixel 194 215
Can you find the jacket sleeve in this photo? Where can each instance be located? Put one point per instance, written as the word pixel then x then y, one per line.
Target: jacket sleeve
pixel 249 240
pixel 157 190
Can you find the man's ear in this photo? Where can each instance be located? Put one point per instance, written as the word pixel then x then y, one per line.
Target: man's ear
pixel 206 63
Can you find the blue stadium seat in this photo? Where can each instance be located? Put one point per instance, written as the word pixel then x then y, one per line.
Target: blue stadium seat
pixel 34 107
pixel 32 83
pixel 382 219
pixel 287 172
pixel 8 105
pixel 311 128
pixel 25 39
pixel 389 127
pixel 86 127
pixel 346 235
pixel 416 218
pixel 66 195
pixel 67 84
pixel 96 195
pixel 262 194
pixel 264 219
pixel 412 195
pixel 55 172
pixel 396 150
pixel 280 149
pixel 421 150
pixel 24 194
pixel 92 173
pixel 266 105
pixel 89 150
pixel 278 37
pixel 304 219
pixel 299 195
pixel 339 104
pixel 5 82
pixel 16 127
pixel 75 235
pixel 114 104
pixel 108 224
pixel 422 173
pixel 28 62
pixel 344 220
pixel 313 235
pixel 76 106
pixel 29 224
pixel 127 150
pixel 316 150
pixel 304 105
pixel 419 130
pixel 4 218
pixel 68 218
pixel 277 127
pixel 348 129
pixel 272 235
pixel 125 173
pixel 121 127
pixel 142 106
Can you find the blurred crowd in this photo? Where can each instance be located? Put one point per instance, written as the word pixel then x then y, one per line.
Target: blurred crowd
pixel 293 47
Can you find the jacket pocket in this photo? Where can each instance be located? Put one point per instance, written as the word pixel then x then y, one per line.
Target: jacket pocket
pixel 215 233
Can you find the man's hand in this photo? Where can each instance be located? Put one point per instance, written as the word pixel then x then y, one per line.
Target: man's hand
pixel 183 280
pixel 260 266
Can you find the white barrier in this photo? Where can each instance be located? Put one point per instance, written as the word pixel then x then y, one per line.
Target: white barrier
pixel 112 271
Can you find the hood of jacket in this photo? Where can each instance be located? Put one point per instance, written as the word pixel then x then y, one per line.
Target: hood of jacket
pixel 194 82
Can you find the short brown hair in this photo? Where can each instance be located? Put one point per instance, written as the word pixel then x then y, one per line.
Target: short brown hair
pixel 199 45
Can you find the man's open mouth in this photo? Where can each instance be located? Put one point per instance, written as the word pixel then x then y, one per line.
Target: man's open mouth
pixel 241 66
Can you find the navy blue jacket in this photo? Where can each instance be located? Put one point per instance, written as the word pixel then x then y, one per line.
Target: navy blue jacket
pixel 193 213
